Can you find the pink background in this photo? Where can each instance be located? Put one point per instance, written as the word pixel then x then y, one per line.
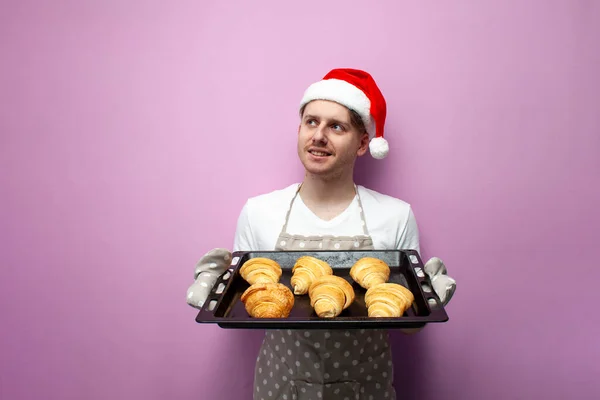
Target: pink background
pixel 133 132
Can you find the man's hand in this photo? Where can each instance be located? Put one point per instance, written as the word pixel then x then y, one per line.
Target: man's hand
pixel 443 285
pixel 207 271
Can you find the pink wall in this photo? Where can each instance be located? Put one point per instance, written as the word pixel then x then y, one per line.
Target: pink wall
pixel 125 134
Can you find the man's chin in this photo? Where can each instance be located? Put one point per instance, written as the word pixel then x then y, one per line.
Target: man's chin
pixel 321 173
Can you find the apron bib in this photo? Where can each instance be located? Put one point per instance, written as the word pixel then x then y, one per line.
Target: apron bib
pixel 320 364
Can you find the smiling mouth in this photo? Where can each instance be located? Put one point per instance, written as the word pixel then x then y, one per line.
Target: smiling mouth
pixel 319 153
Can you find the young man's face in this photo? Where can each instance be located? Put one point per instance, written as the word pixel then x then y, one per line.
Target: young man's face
pixel 328 143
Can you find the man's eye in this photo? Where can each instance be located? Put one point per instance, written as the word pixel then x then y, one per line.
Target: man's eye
pixel 337 127
pixel 311 122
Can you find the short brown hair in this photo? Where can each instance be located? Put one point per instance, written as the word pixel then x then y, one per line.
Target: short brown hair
pixel 355 119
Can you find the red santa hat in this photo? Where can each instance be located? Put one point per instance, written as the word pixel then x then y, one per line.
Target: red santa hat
pixel 356 90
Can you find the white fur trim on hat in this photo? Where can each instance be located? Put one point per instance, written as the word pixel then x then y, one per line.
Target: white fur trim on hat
pixel 379 148
pixel 345 94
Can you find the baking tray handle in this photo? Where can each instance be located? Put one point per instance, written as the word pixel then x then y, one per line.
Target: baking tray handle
pixel 212 303
pixel 434 304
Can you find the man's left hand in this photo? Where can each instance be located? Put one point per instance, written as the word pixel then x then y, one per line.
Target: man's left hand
pixel 443 285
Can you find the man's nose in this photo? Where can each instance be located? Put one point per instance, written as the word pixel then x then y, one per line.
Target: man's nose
pixel 320 134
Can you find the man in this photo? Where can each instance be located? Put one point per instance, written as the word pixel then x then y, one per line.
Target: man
pixel 342 117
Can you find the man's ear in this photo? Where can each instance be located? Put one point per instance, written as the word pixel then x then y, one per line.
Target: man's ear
pixel 364 144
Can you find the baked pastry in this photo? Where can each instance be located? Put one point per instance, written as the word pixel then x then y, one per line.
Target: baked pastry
pixel 305 271
pixel 261 270
pixel 268 300
pixel 330 295
pixel 388 300
pixel 369 271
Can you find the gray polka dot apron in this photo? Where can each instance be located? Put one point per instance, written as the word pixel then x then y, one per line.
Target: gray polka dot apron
pixel 320 364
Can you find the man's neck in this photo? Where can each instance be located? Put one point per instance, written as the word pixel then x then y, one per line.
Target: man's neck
pixel 327 198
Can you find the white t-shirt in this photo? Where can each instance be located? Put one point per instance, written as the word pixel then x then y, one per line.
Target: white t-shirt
pixel 390 222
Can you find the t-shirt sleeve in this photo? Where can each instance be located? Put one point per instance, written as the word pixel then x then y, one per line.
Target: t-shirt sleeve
pixel 244 239
pixel 408 237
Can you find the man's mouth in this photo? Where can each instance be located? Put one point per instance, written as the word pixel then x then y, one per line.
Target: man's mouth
pixel 319 153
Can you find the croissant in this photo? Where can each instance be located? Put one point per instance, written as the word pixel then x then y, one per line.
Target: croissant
pixel 268 300
pixel 305 271
pixel 330 295
pixel 369 271
pixel 257 270
pixel 388 300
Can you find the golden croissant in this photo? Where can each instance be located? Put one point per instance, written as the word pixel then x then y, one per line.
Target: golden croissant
pixel 369 271
pixel 330 295
pixel 305 271
pixel 268 300
pixel 388 300
pixel 261 270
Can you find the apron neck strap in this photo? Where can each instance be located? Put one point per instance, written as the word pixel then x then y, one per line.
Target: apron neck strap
pixel 360 208
pixel 287 215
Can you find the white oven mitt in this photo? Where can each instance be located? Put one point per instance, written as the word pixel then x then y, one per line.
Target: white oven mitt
pixel 207 271
pixel 443 285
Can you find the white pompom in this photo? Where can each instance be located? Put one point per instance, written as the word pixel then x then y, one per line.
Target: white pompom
pixel 379 148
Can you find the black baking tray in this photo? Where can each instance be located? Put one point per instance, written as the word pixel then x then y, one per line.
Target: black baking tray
pixel 224 307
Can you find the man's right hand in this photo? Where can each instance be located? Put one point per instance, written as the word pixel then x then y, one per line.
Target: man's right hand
pixel 207 271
